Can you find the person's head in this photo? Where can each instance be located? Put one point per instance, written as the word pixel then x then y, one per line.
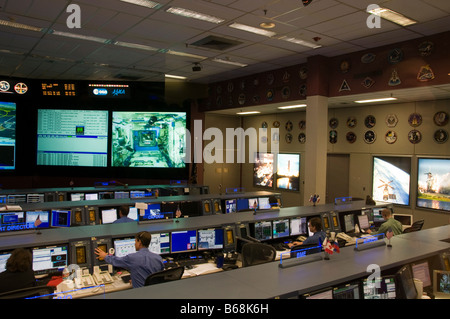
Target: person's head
pixel 315 224
pixel 142 240
pixel 20 260
pixel 386 213
pixel 124 210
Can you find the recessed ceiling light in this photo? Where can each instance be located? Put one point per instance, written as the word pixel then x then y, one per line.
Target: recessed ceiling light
pixel 135 46
pixel 291 106
pixel 392 16
pixel 20 26
pixel 188 55
pixel 248 112
pixel 194 15
pixel 144 3
pixel 80 36
pixel 178 77
pixel 377 100
pixel 226 61
pixel 300 42
pixel 267 25
pixel 251 29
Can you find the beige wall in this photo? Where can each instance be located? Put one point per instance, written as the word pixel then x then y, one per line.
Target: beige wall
pixel 361 153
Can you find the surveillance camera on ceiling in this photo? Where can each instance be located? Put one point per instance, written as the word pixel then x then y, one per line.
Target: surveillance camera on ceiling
pixel 197 67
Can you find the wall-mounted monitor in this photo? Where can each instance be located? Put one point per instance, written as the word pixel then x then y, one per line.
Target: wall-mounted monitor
pixel 263 170
pixel 391 179
pixel 148 139
pixel 7 136
pixel 288 171
pixel 72 138
pixel 433 182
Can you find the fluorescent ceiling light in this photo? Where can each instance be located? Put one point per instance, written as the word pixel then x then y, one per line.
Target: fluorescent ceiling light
pixel 188 55
pixel 135 46
pixel 248 112
pixel 20 26
pixel 248 28
pixel 194 15
pixel 300 42
pixel 225 61
pixel 80 36
pixel 377 100
pixel 144 3
pixel 392 16
pixel 291 106
pixel 178 77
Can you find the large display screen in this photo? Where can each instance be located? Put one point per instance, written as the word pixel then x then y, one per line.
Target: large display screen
pixel 433 181
pixel 288 171
pixel 7 135
pixel 148 139
pixel 391 179
pixel 263 170
pixel 72 138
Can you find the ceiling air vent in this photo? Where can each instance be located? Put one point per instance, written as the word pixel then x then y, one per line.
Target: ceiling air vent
pixel 215 43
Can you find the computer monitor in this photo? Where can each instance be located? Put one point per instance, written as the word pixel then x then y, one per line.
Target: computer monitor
pixel 421 271
pixel 441 284
pixel 133 213
pixel 106 195
pixel 280 228
pixel 363 221
pixel 263 230
pixel 4 256
pixel 137 194
pixel 61 218
pixel 349 223
pixel 160 243
pixel 263 203
pixel 380 288
pixel 211 238
pixel 37 219
pixel 109 215
pixel 230 206
pixel 253 203
pixel 49 259
pixel 91 196
pixel 153 212
pixel 242 204
pixel 12 221
pixel 347 291
pixel 298 226
pixel 124 246
pixel 183 241
pixel 326 293
pixel 377 217
pixel 121 194
pixel 75 197
pixel 405 219
pixel 405 282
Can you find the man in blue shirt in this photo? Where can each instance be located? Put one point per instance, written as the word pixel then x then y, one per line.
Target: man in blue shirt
pixel 123 215
pixel 315 226
pixel 140 264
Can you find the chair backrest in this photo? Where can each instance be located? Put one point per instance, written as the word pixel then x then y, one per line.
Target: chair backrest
pixel 416 226
pixel 44 291
pixel 257 253
pixel 164 276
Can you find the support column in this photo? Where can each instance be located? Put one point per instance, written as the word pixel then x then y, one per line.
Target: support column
pixel 316 129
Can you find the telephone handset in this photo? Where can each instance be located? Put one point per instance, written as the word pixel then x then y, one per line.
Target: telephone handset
pixel 102 277
pixel 84 281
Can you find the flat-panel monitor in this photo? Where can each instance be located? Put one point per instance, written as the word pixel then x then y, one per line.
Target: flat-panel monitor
pixel 298 226
pixel 433 183
pixel 133 213
pixel 391 179
pixel 349 223
pixel 75 197
pixel 8 136
pixel 211 238
pixel 363 221
pixel 263 203
pixel 12 221
pixel 124 246
pixel 72 137
pixel 288 171
pixel 37 219
pixel 263 170
pixel 253 203
pixel 326 293
pixel 106 195
pixel 377 217
pixel 148 139
pixel 380 288
pixel 183 241
pixel 121 194
pixel 347 291
pixel 263 230
pixel 230 206
pixel 242 204
pixel 91 196
pixel 405 282
pixel 153 212
pixel 280 228
pixel 61 218
pixel 4 256
pixel 441 284
pixel 421 271
pixel 109 215
pixel 50 259
pixel 405 219
pixel 160 243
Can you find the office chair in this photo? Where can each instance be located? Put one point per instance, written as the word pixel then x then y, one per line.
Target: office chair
pixel 257 253
pixel 416 226
pixel 45 291
pixel 164 276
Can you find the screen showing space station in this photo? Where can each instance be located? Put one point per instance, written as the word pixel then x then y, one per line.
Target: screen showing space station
pixel 148 139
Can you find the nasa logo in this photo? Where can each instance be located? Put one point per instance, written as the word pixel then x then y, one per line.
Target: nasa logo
pixel 100 92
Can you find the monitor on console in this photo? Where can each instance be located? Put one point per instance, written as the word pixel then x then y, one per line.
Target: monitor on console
pixel 280 228
pixel 109 215
pixel 61 218
pixel 124 246
pixel 183 241
pixel 299 226
pixel 230 206
pixel 263 230
pixel 49 259
pixel 211 238
pixel 160 243
pixel 263 203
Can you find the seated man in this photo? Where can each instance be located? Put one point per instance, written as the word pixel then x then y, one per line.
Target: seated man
pixel 390 223
pixel 315 226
